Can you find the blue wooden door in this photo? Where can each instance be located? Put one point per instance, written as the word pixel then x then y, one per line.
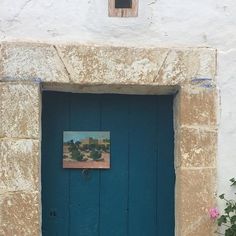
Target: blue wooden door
pixel 135 197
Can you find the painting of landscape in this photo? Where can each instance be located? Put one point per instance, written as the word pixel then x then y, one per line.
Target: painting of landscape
pixel 90 149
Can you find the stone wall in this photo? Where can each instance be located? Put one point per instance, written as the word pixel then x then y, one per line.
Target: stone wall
pixel 189 73
pixel 20 158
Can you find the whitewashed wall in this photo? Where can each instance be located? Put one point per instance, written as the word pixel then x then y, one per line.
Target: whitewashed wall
pixel 160 23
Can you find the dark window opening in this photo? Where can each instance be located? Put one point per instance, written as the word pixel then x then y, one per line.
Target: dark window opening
pixel 123 3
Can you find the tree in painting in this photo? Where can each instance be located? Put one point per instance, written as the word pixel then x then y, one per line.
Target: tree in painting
pixel 75 152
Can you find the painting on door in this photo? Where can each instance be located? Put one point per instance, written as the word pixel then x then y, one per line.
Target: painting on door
pixel 86 149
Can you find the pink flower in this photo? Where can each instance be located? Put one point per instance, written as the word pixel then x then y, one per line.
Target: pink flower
pixel 214 213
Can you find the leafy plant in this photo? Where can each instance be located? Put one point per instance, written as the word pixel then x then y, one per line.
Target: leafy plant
pixel 228 219
pixel 95 155
pixel 75 153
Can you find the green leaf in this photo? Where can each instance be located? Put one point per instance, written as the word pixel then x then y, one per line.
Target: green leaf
pixel 222 219
pixel 228 232
pixel 234 228
pixel 233 220
pixel 233 181
pixel 229 209
pixel 222 196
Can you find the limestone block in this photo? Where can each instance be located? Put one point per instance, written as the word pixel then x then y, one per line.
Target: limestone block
pixel 88 64
pixel 173 70
pixel 197 107
pixel 19 214
pixel 208 229
pixel 117 65
pixel 19 110
pixel 195 195
pixel 186 66
pixel 19 167
pixel 197 147
pixel 201 64
pixel 31 61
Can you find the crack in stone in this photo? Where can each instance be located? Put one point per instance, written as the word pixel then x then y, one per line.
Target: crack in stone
pixel 63 62
pixel 163 63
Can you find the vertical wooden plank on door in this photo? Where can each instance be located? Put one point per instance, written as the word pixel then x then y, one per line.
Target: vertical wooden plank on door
pixel 55 197
pixel 114 182
pixel 165 171
pixel 142 166
pixel 84 190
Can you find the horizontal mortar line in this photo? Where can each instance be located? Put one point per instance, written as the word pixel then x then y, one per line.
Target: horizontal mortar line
pixel 2 193
pixel 196 168
pixel 17 138
pixel 5 80
pixel 200 127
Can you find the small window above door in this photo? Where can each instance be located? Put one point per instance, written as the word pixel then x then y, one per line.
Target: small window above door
pixel 123 8
pixel 123 4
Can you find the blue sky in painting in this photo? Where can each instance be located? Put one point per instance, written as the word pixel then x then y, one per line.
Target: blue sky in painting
pixel 77 135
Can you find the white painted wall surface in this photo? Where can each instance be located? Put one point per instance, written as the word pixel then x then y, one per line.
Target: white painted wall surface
pixel 160 23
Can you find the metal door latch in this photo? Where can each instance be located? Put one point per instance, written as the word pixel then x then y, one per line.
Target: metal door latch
pixel 86 174
pixel 52 213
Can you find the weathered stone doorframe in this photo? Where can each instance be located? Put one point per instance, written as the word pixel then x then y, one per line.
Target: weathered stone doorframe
pixel 28 68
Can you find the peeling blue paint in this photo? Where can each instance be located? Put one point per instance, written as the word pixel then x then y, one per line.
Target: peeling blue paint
pixel 201 79
pixel 203 82
pixel 207 85
pixel 37 80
